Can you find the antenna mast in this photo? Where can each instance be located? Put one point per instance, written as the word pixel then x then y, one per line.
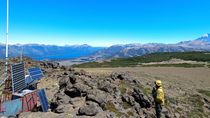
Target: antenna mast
pixel 7 37
pixel 21 55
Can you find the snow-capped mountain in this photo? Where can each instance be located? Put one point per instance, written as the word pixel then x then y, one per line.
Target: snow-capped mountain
pixel 204 38
pixel 41 52
pixel 131 50
pixel 202 42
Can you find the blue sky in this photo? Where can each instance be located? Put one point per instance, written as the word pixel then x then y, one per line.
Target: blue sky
pixel 105 22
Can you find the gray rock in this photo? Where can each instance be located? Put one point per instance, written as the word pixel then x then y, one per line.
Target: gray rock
pixel 63 67
pixel 92 83
pixel 70 69
pixel 138 110
pixel 60 109
pixel 107 86
pixel 69 86
pixel 81 87
pixel 72 92
pixel 206 103
pixel 63 82
pixel 77 90
pixel 73 78
pixel 61 98
pixel 101 100
pixel 165 112
pixel 129 99
pixel 140 98
pixel 177 115
pixel 111 115
pixel 65 108
pixel 120 76
pixel 91 109
pixel 97 96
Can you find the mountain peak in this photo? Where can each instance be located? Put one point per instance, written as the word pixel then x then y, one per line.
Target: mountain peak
pixel 206 35
pixel 204 38
pixel 83 45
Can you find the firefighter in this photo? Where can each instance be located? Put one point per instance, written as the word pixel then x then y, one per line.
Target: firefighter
pixel 158 96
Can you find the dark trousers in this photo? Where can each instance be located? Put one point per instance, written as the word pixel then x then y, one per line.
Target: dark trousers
pixel 158 109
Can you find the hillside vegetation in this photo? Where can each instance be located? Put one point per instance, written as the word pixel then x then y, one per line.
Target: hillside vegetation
pixel 154 57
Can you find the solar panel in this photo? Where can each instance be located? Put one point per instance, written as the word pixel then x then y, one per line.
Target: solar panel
pixel 28 79
pixel 43 100
pixel 35 73
pixel 18 77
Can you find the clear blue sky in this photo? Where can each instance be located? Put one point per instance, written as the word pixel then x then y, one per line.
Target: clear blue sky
pixel 105 22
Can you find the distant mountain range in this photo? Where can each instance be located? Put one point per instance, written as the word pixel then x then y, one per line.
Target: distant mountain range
pixel 88 53
pixel 131 50
pixel 49 52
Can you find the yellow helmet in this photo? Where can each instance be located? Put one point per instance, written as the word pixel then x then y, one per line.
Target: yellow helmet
pixel 158 82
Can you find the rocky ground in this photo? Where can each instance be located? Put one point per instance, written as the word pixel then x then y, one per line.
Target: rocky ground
pixel 122 92
pixel 187 90
pixel 82 94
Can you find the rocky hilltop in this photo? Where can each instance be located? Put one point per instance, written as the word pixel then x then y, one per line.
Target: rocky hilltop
pixel 87 95
pixel 80 94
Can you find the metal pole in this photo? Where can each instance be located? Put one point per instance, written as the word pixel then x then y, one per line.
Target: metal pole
pixel 7 37
pixel 21 56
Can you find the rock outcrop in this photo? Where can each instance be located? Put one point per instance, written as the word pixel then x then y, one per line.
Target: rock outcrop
pixel 88 95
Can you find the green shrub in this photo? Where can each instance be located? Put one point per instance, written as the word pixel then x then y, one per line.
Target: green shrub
pixel 204 92
pixel 111 107
pixel 154 57
pixel 186 65
pixel 126 105
pixel 147 91
pixel 130 113
pixel 123 87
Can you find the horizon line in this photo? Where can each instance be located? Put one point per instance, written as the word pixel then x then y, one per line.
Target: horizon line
pixel 92 45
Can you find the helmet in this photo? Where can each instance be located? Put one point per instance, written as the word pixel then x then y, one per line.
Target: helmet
pixel 158 82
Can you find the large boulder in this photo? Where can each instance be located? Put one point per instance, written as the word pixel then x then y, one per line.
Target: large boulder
pixel 97 96
pixel 91 109
pixel 63 82
pixel 81 87
pixel 120 76
pixel 107 86
pixel 129 99
pixel 61 98
pixel 65 108
pixel 60 109
pixel 77 90
pixel 140 98
pixel 73 78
